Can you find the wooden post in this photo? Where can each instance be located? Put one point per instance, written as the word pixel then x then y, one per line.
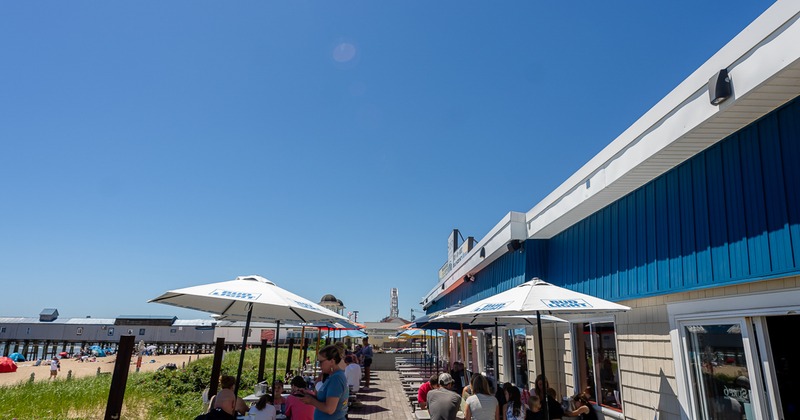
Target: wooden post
pixel 216 367
pixel 120 378
pixel 262 360
pixel 305 352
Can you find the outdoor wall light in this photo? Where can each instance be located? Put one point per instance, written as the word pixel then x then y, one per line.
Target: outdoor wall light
pixel 469 277
pixel 483 252
pixel 515 245
pixel 719 87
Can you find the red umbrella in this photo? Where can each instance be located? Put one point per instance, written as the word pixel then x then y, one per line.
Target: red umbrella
pixel 7 365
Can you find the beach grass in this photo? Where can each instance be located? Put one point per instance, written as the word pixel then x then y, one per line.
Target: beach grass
pixel 165 394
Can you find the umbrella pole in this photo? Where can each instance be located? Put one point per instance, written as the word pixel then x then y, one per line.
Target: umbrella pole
pixel 464 353
pixel 496 354
pixel 275 360
pixel 545 397
pixel 316 355
pixel 244 347
pixel 300 354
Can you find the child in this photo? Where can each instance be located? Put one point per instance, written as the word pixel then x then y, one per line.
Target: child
pixel 534 411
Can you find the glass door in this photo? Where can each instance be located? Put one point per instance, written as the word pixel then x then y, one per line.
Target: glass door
pixel 721 364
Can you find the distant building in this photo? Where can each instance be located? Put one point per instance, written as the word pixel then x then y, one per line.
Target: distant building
pixel 380 332
pixel 330 302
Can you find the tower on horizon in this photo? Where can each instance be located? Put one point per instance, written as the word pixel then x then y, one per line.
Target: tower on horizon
pixel 394 309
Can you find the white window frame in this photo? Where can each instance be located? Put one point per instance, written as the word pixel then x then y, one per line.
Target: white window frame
pixel 744 308
pixel 573 320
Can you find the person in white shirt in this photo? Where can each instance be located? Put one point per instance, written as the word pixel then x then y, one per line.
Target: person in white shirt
pixel 55 366
pixel 353 374
pixel 263 410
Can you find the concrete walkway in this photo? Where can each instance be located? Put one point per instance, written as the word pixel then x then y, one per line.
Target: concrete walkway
pixel 384 400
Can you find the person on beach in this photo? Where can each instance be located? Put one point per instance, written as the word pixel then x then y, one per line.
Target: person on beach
pixel 330 403
pixel 55 367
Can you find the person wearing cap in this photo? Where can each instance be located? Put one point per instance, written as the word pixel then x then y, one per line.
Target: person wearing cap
pixel 443 402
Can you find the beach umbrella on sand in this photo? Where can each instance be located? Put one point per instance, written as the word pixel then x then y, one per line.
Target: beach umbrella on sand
pixel 248 298
pixel 7 365
pixel 535 297
pixel 17 357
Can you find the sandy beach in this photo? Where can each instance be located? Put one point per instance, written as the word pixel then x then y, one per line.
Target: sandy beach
pixel 82 369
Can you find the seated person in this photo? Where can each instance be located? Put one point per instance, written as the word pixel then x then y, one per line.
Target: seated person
pixel 352 372
pixel 295 409
pixel 422 394
pixel 263 409
pixel 278 401
pixel 226 401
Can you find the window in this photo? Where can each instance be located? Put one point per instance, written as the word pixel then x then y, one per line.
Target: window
pixel 79 331
pixel 141 331
pixel 718 371
pixel 488 340
pixel 173 330
pixel 597 369
pixel 515 343
pixel 2 330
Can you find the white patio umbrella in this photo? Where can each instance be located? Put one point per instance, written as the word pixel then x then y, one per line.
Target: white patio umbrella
pixel 535 297
pixel 246 298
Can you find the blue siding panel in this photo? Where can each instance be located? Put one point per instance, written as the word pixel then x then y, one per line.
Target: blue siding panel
pixel 734 204
pixel 789 127
pixel 633 248
pixel 753 194
pixel 675 262
pixel 651 276
pixel 729 214
pixel 780 255
pixel 720 257
pixel 613 250
pixel 702 233
pixel 686 253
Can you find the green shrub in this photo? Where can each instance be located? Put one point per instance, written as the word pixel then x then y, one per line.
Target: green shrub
pixel 166 394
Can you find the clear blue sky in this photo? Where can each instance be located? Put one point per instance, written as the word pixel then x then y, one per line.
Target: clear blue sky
pixel 330 146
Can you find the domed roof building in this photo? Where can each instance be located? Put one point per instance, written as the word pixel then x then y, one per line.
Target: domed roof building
pixel 329 301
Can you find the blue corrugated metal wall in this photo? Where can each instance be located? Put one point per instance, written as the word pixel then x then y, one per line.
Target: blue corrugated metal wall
pixel 730 214
pixel 504 273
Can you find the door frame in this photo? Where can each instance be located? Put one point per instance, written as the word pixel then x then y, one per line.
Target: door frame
pixel 749 311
